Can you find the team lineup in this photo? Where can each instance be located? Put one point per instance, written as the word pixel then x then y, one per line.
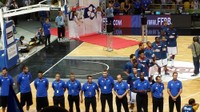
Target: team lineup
pixel 138 83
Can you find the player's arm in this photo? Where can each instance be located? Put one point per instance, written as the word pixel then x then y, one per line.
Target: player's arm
pixel 180 91
pixel 168 90
pixel 35 84
pixel 47 84
pixel 97 93
pixel 82 94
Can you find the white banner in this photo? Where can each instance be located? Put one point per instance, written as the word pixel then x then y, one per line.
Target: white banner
pixel 12 51
pixel 9 35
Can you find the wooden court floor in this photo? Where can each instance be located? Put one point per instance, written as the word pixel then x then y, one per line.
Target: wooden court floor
pixel 191 88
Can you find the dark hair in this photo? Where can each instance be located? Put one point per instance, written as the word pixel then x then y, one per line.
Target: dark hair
pixel 131 56
pixel 21 37
pixel 195 39
pixel 54 109
pixel 24 66
pixel 191 101
pixel 175 73
pixel 57 73
pixel 89 76
pixel 105 70
pixel 71 73
pixel 147 42
pixel 156 38
pixel 4 68
pixel 157 77
pixel 140 52
pixel 40 72
pixel 140 44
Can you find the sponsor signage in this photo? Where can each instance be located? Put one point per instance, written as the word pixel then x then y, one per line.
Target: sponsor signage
pixel 12 51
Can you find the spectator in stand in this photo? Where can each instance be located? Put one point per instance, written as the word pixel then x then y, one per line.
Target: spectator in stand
pixel 27 3
pixel 127 7
pixel 116 7
pixel 137 7
pixel 145 5
pixel 14 5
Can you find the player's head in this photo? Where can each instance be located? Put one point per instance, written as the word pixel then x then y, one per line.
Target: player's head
pixel 119 78
pixel 195 39
pixel 4 71
pixel 25 69
pixel 157 40
pixel 72 76
pixel 163 38
pixel 132 56
pixel 158 79
pixel 59 13
pixel 47 20
pixel 57 76
pixel 110 4
pixel 171 26
pixel 191 101
pixel 141 45
pixel 89 78
pixel 165 23
pixel 175 75
pixel 149 44
pixel 141 54
pixel 135 70
pixel 135 63
pixel 105 73
pixel 162 33
pixel 40 74
pixel 142 76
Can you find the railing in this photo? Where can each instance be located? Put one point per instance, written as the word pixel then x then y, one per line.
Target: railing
pixel 173 8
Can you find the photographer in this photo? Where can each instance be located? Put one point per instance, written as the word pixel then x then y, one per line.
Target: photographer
pixel 195 47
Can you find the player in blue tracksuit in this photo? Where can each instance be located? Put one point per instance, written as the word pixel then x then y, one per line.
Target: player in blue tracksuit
pixel 172 43
pixel 165 27
pixel 157 49
pixel 164 54
pixel 145 63
pixel 140 68
pixel 141 47
pixel 132 77
pixel 129 65
pixel 5 82
pixel 148 52
pixel 190 106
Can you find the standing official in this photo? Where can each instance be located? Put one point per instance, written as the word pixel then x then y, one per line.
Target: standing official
pixel 128 68
pixel 47 33
pixel 5 82
pixel 106 83
pixel 60 25
pixel 121 90
pixel 73 86
pixel 164 54
pixel 195 48
pixel 131 81
pixel 157 94
pixel 23 81
pixel 174 90
pixel 141 87
pixel 59 89
pixel 89 89
pixel 172 43
pixel 41 85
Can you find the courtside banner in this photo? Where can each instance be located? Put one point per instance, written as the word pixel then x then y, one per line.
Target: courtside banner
pixel 158 20
pixel 122 21
pixel 128 21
